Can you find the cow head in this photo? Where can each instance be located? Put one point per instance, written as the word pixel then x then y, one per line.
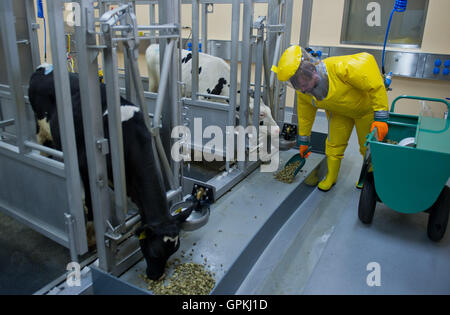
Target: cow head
pixel 265 118
pixel 159 241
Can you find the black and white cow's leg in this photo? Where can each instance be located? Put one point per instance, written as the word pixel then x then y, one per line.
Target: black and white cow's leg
pixel 87 205
pixel 44 135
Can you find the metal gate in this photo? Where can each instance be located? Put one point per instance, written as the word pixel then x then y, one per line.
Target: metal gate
pixel 43 193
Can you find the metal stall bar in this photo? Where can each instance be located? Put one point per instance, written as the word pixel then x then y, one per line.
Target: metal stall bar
pixel 133 85
pixel 137 82
pixel 130 91
pixel 204 7
pixel 246 53
pixel 75 214
pixel 6 123
pixel 235 17
pixel 259 25
pixel 132 53
pixel 52 152
pixel 286 20
pixel 169 14
pixel 273 50
pixel 268 95
pixel 107 20
pixel 96 144
pixel 274 84
pixel 163 27
pixel 8 31
pixel 175 89
pixel 32 30
pixel 305 27
pixel 195 31
pixel 159 108
pixel 152 16
pixel 270 49
pixel 305 30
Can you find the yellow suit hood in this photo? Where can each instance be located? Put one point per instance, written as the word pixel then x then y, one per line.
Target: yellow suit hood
pixel 356 88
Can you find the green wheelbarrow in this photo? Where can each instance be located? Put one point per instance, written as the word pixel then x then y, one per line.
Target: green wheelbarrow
pixel 409 173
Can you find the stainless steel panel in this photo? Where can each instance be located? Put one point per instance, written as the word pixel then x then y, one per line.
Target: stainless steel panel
pixel 402 64
pixel 106 284
pixel 35 197
pixel 220 1
pixel 222 49
pixel 406 64
pixel 430 66
pixel 211 114
pixel 340 51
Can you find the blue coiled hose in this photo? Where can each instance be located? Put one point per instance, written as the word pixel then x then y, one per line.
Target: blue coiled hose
pixel 399 6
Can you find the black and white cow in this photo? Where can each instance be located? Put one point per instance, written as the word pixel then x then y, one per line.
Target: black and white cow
pixel 159 232
pixel 214 78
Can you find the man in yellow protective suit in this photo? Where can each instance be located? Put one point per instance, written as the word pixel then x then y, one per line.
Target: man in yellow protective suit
pixel 351 91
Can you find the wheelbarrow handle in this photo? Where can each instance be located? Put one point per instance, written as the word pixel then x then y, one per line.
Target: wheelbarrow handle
pixel 366 165
pixel 372 135
pixel 430 99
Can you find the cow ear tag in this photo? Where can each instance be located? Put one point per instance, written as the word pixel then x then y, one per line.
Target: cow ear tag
pixel 178 210
pixel 142 236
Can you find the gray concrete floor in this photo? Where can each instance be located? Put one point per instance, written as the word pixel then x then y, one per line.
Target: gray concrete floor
pixel 331 252
pixel 28 260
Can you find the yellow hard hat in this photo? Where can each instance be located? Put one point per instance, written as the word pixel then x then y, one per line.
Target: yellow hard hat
pixel 289 63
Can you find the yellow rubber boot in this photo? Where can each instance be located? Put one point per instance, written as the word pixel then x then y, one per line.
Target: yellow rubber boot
pixel 333 171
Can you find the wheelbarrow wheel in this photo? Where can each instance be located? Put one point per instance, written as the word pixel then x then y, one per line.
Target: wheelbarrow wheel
pixel 439 214
pixel 367 200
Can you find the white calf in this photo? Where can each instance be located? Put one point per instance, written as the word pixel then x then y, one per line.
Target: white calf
pixel 213 78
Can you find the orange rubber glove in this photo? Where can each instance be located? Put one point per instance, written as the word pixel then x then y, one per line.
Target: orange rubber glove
pixel 382 128
pixel 303 149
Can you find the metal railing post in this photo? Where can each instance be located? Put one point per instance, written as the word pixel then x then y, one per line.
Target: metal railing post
pixel 246 54
pixel 115 125
pixel 65 118
pixel 195 33
pixel 236 11
pixel 94 135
